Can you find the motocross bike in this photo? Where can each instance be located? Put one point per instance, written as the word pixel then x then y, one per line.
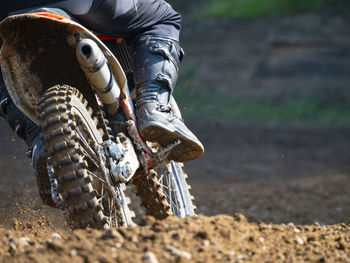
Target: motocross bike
pixel 67 81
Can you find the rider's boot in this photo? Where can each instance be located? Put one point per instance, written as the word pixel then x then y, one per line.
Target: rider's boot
pixel 29 132
pixel 156 61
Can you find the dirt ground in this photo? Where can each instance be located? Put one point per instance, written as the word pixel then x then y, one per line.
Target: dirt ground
pixel 289 184
pixel 292 185
pixel 199 239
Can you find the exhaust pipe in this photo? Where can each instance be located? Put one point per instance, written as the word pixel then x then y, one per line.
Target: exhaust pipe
pixel 95 66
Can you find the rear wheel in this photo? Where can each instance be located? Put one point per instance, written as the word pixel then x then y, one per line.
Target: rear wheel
pixel 80 186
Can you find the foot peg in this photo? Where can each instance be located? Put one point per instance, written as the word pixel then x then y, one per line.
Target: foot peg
pixel 163 154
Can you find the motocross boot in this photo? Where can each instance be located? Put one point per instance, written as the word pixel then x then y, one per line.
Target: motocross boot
pixel 29 132
pixel 155 62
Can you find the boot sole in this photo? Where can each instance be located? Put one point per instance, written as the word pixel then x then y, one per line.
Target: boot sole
pixel 184 152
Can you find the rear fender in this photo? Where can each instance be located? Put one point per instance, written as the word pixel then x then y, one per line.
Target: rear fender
pixel 39 52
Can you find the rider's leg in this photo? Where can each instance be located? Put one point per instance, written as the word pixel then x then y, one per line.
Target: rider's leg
pixel 156 61
pixel 29 132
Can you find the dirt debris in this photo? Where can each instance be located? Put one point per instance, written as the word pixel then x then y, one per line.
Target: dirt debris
pixel 219 238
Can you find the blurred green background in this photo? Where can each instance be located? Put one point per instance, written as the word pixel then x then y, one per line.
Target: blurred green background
pixel 255 8
pixel 299 51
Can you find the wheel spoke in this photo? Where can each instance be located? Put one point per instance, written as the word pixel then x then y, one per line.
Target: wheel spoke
pixel 165 187
pixel 170 188
pixel 113 213
pixel 88 151
pixel 109 210
pixel 171 200
pixel 97 177
pixel 167 184
pixel 102 195
pixel 101 198
pixel 87 155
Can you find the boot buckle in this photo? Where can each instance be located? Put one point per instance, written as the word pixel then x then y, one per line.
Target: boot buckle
pixel 164 108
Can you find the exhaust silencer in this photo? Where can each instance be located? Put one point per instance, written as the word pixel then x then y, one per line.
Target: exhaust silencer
pixel 95 66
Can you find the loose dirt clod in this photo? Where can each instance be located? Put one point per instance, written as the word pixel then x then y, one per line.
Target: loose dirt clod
pixel 15 223
pixel 149 257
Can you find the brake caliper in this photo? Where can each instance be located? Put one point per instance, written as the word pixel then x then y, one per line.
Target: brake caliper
pixel 121 158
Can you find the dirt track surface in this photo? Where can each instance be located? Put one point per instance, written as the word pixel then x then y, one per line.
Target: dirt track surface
pixel 198 239
pixel 309 184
